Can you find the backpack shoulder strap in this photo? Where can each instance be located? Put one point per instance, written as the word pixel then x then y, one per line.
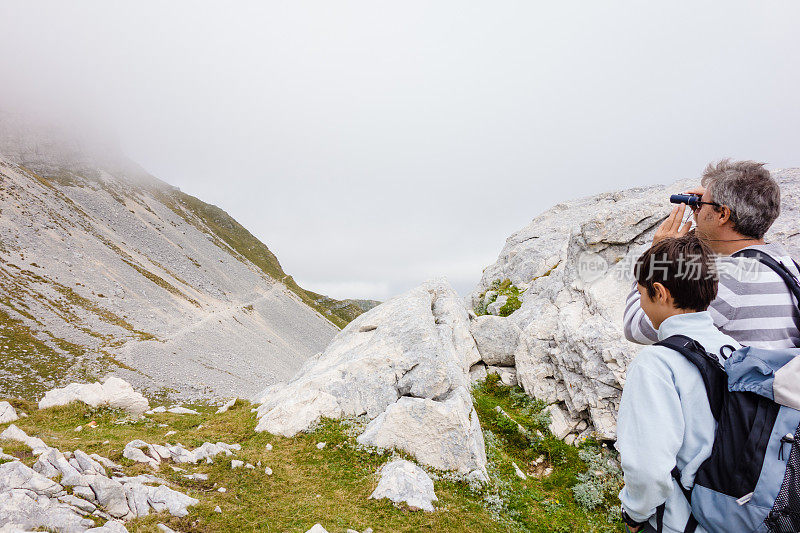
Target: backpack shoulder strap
pixel 713 374
pixel 767 260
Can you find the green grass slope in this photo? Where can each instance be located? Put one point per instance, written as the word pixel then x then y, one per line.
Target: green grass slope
pixel 332 485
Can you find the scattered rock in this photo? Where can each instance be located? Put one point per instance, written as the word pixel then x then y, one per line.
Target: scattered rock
pixel 222 489
pixel 180 410
pixel 217 509
pixel 404 482
pixel 236 463
pixel 520 474
pixel 114 392
pixel 268 447
pixel 226 406
pixel 249 466
pixel 317 528
pixel 7 413
pixel 165 528
pixel 197 477
pixel 12 432
pixel 321 445
pixel 268 471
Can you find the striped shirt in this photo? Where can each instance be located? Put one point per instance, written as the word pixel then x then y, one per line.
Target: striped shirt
pixel 753 304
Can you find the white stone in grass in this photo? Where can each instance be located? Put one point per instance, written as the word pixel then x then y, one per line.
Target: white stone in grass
pixel 155 410
pixel 37 445
pixel 197 477
pixel 520 474
pixel 7 413
pixel 321 445
pixel 268 471
pixel 317 528
pixel 236 463
pixel 222 489
pixel 249 466
pixel 180 410
pixel 404 482
pixel 217 509
pixel 268 447
pixel 114 392
pixel 227 406
pixel 165 528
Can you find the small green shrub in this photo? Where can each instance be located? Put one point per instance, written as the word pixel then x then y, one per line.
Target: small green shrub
pixel 501 288
pixel 600 483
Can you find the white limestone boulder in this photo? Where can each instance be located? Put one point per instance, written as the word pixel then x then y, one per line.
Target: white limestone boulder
pixel 574 264
pixel 114 392
pixel 403 347
pixel 404 482
pixel 442 434
pixel 497 339
pixel 407 357
pixel 7 413
pixel 36 444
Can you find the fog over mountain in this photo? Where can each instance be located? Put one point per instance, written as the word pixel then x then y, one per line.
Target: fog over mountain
pixel 373 145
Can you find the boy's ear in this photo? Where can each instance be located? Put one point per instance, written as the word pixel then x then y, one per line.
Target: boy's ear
pixel 662 294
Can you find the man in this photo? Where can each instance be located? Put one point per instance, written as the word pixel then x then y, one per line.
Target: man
pixel 739 202
pixel 664 417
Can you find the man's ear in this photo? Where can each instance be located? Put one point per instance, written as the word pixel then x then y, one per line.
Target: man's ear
pixel 723 215
pixel 662 294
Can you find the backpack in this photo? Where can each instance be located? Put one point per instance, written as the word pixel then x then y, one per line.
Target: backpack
pixel 751 481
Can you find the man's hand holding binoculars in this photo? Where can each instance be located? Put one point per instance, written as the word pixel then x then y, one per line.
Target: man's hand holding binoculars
pixel 672 226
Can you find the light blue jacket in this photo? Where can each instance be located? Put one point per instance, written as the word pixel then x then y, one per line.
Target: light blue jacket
pixel 665 419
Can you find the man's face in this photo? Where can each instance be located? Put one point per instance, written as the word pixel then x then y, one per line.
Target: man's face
pixel 704 218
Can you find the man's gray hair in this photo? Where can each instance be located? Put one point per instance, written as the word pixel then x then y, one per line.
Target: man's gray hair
pixel 748 190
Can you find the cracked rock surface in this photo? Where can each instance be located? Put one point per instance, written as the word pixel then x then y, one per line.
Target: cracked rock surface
pixel 572 348
pixel 405 366
pixel 30 498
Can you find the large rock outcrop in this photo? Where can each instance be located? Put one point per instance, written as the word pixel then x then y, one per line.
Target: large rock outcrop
pixel 405 365
pixel 574 264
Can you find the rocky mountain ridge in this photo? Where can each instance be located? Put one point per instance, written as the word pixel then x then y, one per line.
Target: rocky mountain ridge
pixel 104 268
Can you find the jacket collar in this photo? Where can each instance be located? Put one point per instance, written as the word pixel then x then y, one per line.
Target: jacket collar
pixel 686 324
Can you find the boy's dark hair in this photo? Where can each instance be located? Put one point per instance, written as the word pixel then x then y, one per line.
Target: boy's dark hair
pixel 685 266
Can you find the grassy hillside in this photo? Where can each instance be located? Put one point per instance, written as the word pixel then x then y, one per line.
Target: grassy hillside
pixel 332 485
pixel 237 237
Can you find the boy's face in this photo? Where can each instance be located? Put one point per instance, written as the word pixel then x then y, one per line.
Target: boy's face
pixel 659 307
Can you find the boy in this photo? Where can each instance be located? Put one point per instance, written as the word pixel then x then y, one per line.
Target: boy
pixel 664 416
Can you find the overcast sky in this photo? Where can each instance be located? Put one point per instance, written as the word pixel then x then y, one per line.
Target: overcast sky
pixel 372 145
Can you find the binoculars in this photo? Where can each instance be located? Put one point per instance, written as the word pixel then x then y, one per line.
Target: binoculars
pixel 692 200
